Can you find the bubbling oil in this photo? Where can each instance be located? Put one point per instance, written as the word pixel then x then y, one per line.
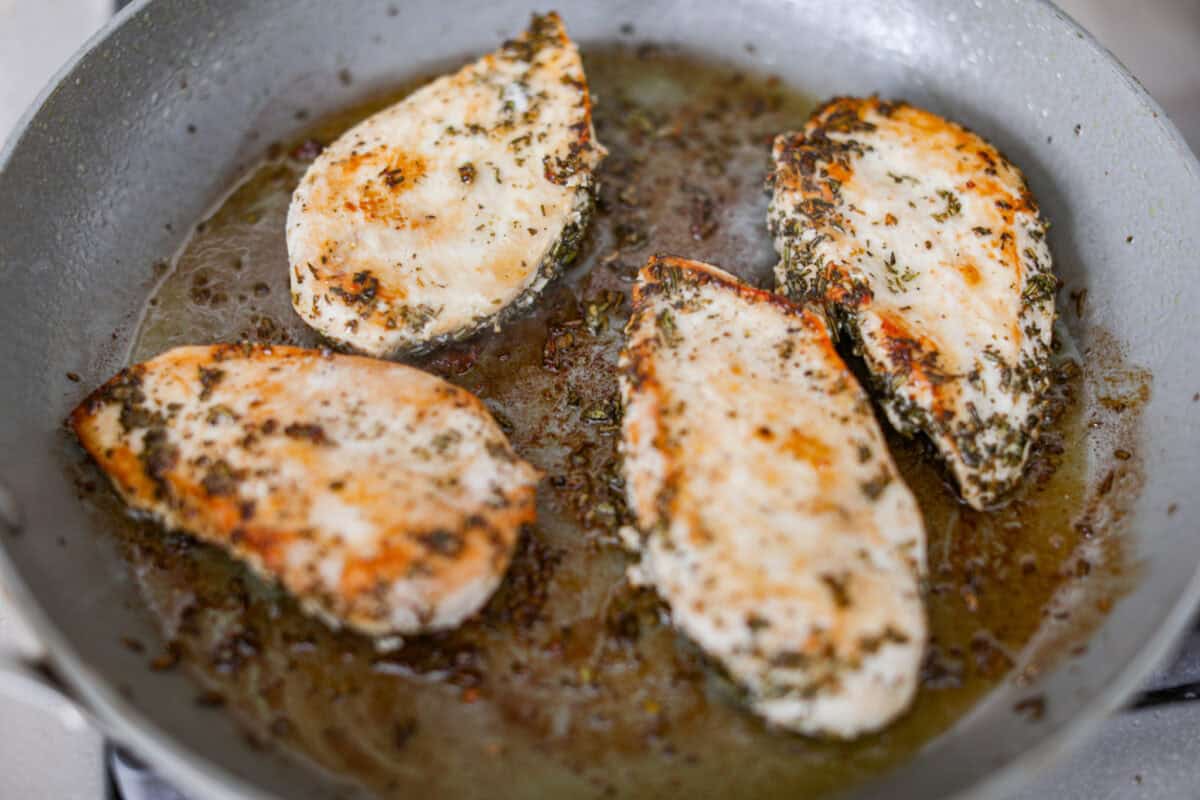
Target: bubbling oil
pixel 570 678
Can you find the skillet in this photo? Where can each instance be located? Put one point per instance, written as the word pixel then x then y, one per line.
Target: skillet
pixel 103 180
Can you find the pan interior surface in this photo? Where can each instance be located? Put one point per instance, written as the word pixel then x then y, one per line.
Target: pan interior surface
pixel 569 676
pixel 570 671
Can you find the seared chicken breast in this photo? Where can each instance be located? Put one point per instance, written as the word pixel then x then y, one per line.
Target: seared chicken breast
pixel 382 497
pixel 772 520
pixel 924 243
pixel 439 215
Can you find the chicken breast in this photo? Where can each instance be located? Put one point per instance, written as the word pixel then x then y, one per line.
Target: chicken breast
pixel 923 242
pixel 382 497
pixel 771 516
pixel 441 214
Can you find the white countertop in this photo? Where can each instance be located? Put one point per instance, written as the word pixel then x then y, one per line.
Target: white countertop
pixel 43 755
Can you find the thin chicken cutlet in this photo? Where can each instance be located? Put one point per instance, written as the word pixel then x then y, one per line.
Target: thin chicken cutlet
pixel 440 215
pixel 923 242
pixel 382 497
pixel 772 519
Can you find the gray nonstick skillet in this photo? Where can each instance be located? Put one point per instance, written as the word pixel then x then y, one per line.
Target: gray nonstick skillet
pixel 181 126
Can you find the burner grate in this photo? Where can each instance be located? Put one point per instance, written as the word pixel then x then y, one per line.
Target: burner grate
pixel 129 778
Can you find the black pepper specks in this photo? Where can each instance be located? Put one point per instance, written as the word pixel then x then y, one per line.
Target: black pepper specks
pixel 310 431
pixel 220 479
pixel 443 542
pixel 209 379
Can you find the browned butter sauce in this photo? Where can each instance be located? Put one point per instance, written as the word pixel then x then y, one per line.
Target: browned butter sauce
pixel 570 683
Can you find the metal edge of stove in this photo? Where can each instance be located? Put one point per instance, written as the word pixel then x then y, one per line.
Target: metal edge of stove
pixel 129 778
pixel 1176 682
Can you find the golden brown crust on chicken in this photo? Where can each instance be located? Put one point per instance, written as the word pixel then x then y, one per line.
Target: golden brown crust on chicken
pixel 438 216
pixel 771 516
pixel 924 243
pixel 381 496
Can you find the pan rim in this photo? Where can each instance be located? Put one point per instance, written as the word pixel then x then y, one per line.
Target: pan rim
pixel 116 718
